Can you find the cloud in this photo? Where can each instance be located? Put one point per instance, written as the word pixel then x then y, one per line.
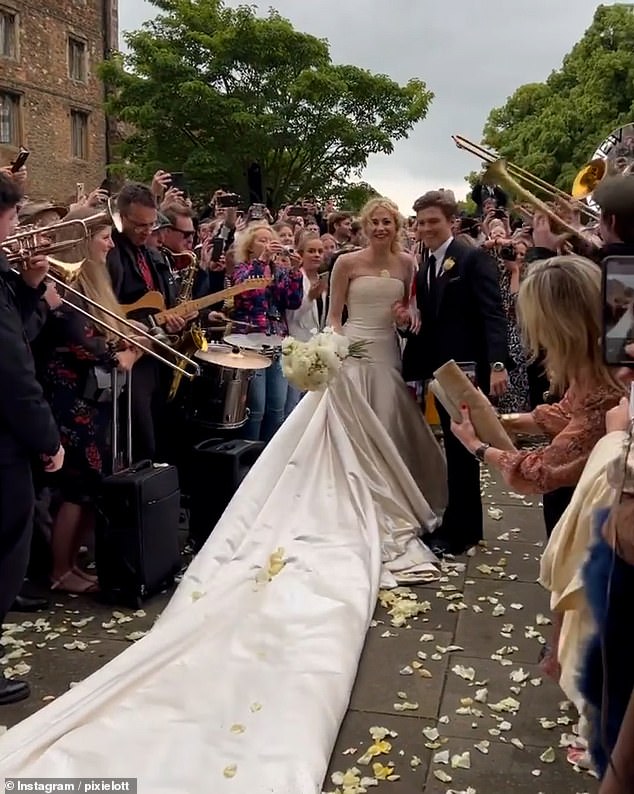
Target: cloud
pixel 471 55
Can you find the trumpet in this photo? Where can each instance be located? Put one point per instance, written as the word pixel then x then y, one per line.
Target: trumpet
pixel 497 173
pixel 25 245
pixel 518 175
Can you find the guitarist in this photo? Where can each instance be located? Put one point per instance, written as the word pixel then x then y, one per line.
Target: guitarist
pixel 135 269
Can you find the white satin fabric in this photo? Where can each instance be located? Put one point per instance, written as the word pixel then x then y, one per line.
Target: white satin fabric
pixel 277 658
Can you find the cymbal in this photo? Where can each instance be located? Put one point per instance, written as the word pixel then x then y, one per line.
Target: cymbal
pixel 225 356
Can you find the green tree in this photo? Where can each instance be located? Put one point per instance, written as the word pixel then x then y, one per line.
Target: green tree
pixel 353 197
pixel 209 90
pixel 553 128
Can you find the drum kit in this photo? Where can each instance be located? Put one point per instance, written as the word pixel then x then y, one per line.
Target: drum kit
pixel 217 398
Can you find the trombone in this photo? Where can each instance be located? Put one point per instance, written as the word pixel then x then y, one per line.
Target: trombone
pixel 514 175
pixel 24 245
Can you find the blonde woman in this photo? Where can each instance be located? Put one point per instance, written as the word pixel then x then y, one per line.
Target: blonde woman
pixel 76 383
pixel 265 311
pixel 559 308
pixel 375 285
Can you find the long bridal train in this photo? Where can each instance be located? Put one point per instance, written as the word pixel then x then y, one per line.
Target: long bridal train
pixel 242 684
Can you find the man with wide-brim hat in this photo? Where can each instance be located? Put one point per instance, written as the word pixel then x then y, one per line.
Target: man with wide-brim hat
pixel 40 213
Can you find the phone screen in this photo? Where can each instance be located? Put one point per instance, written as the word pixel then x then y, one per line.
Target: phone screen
pixel 618 309
pixel 178 181
pixel 217 249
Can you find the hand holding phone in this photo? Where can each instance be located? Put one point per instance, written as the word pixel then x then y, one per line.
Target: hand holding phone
pixel 20 161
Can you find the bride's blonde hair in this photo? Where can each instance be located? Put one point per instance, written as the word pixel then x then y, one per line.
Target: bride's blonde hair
pixel 392 210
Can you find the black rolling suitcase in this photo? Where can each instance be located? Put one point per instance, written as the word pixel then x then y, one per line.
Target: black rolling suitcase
pixel 137 550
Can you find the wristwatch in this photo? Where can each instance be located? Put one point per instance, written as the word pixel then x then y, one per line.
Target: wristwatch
pixel 498 366
pixel 480 452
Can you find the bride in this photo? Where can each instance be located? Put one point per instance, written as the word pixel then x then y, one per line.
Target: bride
pixel 247 674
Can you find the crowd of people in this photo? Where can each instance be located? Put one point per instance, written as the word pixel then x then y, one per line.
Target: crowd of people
pixel 501 290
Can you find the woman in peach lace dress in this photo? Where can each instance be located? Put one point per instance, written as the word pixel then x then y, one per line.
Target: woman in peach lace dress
pixel 560 312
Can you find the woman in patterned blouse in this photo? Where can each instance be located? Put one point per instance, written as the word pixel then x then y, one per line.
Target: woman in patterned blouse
pixel 265 311
pixel 560 312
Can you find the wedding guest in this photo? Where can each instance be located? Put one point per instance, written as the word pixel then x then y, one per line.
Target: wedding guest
pixel 559 307
pixel 265 309
pixel 310 316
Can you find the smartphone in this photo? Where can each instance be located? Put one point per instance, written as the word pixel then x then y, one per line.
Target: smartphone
pixel 20 160
pixel 618 309
pixel 228 201
pixel 80 191
pixel 257 211
pixel 296 212
pixel 217 249
pixel 499 214
pixel 178 181
pixel 325 275
pixel 105 185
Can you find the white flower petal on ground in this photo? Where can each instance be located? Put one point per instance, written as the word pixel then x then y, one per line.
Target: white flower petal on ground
pixel 548 756
pixel 461 761
pixel 439 774
pixel 431 733
pixel 467 673
pixel 441 757
pixel 483 746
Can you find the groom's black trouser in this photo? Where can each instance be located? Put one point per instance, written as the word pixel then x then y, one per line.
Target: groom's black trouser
pixel 462 524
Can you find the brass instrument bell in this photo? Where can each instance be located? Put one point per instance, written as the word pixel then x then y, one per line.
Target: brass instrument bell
pixel 588 178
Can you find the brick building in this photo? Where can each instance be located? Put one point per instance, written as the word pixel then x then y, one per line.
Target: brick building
pixel 51 98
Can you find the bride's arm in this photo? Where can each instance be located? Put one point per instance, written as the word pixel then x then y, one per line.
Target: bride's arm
pixel 409 297
pixel 339 280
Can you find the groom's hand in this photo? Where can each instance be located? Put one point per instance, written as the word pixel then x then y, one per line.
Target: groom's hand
pixel 499 383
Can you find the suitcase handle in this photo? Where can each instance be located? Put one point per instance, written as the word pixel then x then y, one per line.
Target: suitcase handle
pixel 116 429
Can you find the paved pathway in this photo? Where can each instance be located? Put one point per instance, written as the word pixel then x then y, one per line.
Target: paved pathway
pixel 79 636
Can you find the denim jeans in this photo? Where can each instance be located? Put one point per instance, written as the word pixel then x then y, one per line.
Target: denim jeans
pixel 292 398
pixel 266 403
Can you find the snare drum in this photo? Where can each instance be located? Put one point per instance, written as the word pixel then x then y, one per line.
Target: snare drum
pixel 219 395
pixel 263 344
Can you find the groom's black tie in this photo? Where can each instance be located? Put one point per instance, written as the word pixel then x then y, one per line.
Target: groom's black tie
pixel 431 269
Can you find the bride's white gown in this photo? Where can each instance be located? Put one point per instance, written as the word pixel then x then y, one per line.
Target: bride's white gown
pixel 276 658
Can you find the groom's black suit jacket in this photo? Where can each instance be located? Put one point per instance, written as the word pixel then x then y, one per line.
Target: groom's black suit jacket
pixel 466 322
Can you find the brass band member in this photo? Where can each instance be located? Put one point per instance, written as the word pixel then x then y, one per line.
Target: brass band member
pixel 136 269
pixel 78 386
pixel 27 428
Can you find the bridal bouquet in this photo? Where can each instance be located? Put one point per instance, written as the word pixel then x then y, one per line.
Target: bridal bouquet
pixel 310 366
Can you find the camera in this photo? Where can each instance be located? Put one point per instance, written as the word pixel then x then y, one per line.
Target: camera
pixel 508 253
pixel 288 251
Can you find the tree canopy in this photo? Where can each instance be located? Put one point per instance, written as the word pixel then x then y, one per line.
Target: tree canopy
pixel 210 90
pixel 553 128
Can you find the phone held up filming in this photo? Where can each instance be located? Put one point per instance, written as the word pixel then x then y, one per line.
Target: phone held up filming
pixel 618 310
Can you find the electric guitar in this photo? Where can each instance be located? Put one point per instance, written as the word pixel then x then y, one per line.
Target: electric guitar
pixel 156 302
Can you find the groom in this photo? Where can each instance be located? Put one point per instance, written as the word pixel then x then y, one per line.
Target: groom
pixel 458 295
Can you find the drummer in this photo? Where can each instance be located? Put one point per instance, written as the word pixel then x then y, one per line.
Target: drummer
pixel 261 254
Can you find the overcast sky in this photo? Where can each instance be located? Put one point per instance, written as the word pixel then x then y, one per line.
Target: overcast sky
pixel 472 55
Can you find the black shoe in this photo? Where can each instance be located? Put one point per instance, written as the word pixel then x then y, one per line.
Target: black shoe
pixel 13 691
pixel 440 547
pixel 24 603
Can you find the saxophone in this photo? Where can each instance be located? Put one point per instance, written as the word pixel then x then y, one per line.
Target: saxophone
pixel 193 338
pixel 189 275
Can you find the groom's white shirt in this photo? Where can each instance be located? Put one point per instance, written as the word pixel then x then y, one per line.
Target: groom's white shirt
pixel 440 253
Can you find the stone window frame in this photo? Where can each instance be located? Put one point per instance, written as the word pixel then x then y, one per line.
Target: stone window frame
pixel 18 96
pixel 12 10
pixel 76 111
pixel 72 36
